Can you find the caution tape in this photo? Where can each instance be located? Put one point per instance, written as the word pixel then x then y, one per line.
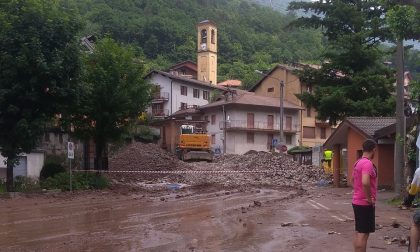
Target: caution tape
pixel 178 172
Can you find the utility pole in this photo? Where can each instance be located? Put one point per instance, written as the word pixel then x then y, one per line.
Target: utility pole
pixel 281 140
pixel 399 156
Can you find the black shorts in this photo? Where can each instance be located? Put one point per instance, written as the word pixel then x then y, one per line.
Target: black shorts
pixel 364 217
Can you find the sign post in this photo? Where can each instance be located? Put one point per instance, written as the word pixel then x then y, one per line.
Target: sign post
pixel 70 156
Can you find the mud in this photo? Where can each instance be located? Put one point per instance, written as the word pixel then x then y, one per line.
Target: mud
pixel 199 219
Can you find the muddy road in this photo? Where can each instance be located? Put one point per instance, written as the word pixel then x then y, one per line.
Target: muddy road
pixel 252 219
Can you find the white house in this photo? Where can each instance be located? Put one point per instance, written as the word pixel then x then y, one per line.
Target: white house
pixel 174 93
pixel 250 122
pixel 30 165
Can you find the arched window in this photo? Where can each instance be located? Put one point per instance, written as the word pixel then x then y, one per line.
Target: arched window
pixel 203 36
pixel 213 36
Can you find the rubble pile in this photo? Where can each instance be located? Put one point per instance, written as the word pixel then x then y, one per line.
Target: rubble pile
pixel 272 169
pixel 278 170
pixel 143 157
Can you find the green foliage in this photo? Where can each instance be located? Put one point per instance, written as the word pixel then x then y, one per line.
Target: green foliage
pixel 50 169
pixel 80 181
pixel 26 184
pixel 2 186
pixel 39 69
pixel 298 149
pixel 145 135
pixel 352 81
pixel 403 21
pixel 250 36
pixel 116 94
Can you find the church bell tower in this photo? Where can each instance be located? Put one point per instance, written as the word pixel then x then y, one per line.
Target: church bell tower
pixel 207 52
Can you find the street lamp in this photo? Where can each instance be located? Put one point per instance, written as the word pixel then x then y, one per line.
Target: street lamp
pixel 281 138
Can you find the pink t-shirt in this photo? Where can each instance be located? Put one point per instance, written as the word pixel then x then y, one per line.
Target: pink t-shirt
pixel 363 166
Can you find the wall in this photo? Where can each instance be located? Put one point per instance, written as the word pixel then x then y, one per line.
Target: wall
pixel 386 165
pixel 34 160
pixel 175 97
pixel 237 139
pixel 354 143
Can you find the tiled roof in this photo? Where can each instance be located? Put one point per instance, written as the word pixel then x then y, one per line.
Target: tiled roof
pixel 248 98
pixel 231 83
pixel 184 80
pixel 369 125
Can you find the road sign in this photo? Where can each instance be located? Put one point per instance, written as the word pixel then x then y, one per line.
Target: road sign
pixel 70 150
pixel 274 142
pixel 284 148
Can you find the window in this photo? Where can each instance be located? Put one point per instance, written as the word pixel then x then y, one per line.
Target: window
pixel 250 137
pixel 183 105
pixel 206 118
pixel 288 139
pixel 196 93
pixel 323 133
pixel 213 36
pixel 213 139
pixel 308 132
pixel 184 90
pixel 270 90
pixel 206 95
pixel 204 36
pixel 250 120
pixel 270 122
pixel 288 123
pixel 308 111
pixel 213 119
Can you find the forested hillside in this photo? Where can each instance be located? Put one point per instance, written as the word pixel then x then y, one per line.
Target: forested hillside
pixel 250 36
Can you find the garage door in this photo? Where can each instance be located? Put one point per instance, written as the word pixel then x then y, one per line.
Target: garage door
pixel 21 168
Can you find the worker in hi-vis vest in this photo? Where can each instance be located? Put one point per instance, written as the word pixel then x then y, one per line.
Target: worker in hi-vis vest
pixel 328 154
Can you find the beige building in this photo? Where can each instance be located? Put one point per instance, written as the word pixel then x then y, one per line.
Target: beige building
pixel 313 131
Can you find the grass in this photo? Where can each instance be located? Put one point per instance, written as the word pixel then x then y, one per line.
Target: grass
pixel 396 201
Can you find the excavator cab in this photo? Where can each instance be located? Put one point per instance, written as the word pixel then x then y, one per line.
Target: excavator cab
pixel 193 144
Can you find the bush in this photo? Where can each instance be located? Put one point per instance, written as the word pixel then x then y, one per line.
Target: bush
pixel 26 184
pixel 80 181
pixel 51 169
pixel 2 186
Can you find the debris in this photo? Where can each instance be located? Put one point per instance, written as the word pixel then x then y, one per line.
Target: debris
pixel 395 223
pixel 286 224
pixel 378 227
pixel 304 225
pixel 257 203
pixel 243 209
pixel 162 199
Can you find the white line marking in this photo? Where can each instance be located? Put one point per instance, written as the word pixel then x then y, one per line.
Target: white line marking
pixel 314 206
pixel 319 204
pixel 337 218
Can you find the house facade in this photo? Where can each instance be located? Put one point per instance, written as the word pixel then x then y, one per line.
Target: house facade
pixel 173 93
pixel 314 132
pixel 245 121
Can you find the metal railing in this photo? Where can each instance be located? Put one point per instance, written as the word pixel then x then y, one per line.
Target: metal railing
pixel 160 112
pixel 162 96
pixel 256 125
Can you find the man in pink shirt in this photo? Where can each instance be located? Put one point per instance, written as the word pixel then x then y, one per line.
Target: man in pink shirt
pixel 364 196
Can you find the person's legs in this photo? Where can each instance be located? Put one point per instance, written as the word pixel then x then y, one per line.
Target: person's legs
pixel 414 237
pixel 360 241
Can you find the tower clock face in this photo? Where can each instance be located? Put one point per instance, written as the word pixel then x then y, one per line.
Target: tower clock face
pixel 203 46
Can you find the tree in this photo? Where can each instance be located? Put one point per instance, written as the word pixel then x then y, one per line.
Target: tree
pixel 116 95
pixel 39 69
pixel 352 80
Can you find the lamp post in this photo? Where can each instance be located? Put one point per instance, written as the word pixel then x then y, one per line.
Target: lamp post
pixel 281 131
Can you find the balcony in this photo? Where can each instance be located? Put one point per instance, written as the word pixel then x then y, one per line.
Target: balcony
pixel 321 123
pixel 243 125
pixel 160 97
pixel 160 113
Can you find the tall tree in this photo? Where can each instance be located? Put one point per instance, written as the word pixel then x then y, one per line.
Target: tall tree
pixel 39 68
pixel 352 81
pixel 116 95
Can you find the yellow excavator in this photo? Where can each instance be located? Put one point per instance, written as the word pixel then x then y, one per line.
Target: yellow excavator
pixel 193 144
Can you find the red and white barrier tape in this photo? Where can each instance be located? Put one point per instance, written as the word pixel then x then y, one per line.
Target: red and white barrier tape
pixel 177 172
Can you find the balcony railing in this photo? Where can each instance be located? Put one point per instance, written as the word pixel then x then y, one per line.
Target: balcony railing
pixel 160 97
pixel 160 113
pixel 256 125
pixel 321 122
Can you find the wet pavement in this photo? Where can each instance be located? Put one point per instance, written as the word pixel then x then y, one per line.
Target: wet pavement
pixel 192 220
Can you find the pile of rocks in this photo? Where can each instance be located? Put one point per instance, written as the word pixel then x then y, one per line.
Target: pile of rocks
pixel 272 169
pixel 143 157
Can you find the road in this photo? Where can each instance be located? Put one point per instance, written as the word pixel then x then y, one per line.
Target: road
pixel 203 219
